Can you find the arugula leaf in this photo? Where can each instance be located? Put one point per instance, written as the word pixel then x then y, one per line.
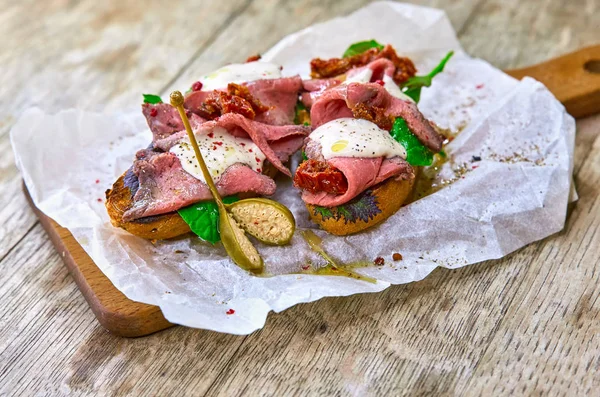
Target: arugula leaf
pixel 203 218
pixel 360 47
pixel 149 98
pixel 304 156
pixel 416 152
pixel 412 87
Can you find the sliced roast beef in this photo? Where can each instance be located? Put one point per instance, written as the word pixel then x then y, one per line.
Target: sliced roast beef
pixel 319 84
pixel 341 101
pixel 164 120
pixel 278 143
pixel 195 99
pixel 360 173
pixel 315 87
pixel 164 186
pixel 378 69
pixel 279 95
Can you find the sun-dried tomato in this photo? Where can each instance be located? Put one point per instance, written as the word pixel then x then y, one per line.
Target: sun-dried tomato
pixel 320 176
pixel 405 68
pixel 326 68
pixel 243 92
pixel 237 99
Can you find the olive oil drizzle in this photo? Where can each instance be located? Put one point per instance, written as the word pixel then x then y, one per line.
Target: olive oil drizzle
pixel 332 268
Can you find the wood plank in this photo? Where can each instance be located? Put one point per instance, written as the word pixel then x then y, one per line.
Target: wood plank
pixel 50 342
pixel 518 33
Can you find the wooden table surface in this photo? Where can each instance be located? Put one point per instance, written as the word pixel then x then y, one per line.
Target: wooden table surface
pixel 527 324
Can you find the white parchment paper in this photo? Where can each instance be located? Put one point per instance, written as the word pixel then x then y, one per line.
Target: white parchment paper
pixel 517 193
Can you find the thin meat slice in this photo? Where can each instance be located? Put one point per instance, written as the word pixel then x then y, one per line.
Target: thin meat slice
pixel 314 88
pixel 319 84
pixel 195 99
pixel 164 120
pixel 379 68
pixel 287 146
pixel 361 174
pixel 280 95
pixel 278 143
pixel 164 186
pixel 265 136
pixel 343 100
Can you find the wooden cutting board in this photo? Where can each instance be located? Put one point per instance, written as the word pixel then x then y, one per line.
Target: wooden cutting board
pixel 112 308
pixel 573 78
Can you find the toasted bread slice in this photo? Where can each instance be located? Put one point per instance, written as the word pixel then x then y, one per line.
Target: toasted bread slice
pixel 385 199
pixel 157 227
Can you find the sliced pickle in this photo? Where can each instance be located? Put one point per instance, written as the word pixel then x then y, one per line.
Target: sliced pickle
pixel 237 245
pixel 267 220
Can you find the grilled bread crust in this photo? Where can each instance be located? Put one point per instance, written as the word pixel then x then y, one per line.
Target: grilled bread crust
pixel 119 199
pixel 389 195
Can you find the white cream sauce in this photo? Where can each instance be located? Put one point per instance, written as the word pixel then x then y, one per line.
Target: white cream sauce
pixel 219 150
pixel 240 73
pixel 364 76
pixel 347 137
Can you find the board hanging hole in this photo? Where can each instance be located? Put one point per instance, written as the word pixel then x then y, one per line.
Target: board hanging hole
pixel 592 66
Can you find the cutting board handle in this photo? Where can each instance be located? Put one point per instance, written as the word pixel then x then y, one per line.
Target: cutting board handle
pixel 573 78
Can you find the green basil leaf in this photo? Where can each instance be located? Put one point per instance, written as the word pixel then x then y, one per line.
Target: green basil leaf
pixel 412 87
pixel 360 47
pixel 149 98
pixel 203 218
pixel 304 156
pixel 416 153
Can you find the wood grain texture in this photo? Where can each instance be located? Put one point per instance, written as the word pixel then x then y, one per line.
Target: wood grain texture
pixel 114 311
pixel 526 324
pixel 574 79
